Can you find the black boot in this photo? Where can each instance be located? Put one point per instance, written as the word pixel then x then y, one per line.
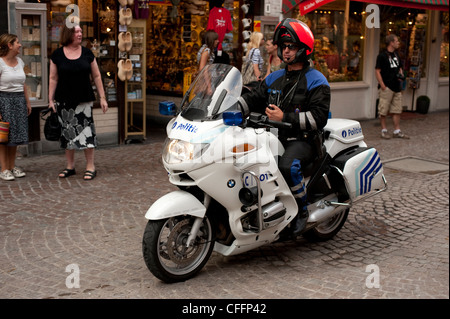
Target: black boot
pixel 296 226
pixel 299 222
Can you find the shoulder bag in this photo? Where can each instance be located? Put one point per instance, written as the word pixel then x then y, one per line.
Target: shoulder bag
pixel 248 76
pixel 52 127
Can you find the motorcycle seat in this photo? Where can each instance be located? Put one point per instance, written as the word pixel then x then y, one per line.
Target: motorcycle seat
pixel 312 167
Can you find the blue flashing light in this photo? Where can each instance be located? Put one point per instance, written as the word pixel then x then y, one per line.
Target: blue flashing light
pixel 167 108
pixel 232 118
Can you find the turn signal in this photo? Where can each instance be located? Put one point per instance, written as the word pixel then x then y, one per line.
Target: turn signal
pixel 243 148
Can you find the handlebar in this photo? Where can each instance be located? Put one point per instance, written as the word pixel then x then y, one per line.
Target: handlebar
pixel 260 120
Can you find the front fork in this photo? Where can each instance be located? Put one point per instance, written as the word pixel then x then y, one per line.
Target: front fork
pixel 197 223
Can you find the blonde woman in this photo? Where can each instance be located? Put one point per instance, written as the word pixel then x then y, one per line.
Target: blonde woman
pixel 254 54
pixel 14 105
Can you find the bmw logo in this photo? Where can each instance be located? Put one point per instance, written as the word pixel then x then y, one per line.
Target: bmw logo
pixel 344 134
pixel 231 183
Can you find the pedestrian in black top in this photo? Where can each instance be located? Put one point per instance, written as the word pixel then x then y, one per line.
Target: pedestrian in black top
pixel 389 73
pixel 72 96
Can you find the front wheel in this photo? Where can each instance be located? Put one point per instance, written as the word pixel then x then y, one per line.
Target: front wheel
pixel 165 252
pixel 328 228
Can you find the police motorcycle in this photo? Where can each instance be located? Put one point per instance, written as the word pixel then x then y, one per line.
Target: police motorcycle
pixel 232 197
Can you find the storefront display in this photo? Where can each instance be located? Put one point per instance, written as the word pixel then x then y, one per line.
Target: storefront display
pixel 339 39
pixel 175 34
pixel 135 84
pixel 410 27
pixel 165 58
pixel 105 48
pixel 31 21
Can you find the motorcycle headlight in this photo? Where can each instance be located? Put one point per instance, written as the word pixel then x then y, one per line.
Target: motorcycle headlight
pixel 178 151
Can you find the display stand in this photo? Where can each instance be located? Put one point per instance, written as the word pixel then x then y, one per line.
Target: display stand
pixel 31 22
pixel 104 48
pixel 135 87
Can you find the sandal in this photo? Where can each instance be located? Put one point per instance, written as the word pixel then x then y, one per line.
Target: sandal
pixel 66 173
pixel 89 175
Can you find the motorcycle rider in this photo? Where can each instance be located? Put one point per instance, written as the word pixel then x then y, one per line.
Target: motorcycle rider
pixel 299 95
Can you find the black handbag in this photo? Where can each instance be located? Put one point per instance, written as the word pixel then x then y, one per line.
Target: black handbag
pixel 52 127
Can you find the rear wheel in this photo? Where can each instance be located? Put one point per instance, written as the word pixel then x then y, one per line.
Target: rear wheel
pixel 327 229
pixel 165 252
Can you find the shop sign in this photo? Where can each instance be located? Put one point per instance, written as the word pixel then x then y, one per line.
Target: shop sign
pixel 304 6
pixel 309 5
pixel 257 25
pixel 158 2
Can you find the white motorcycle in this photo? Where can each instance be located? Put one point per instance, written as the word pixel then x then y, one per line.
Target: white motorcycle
pixel 232 197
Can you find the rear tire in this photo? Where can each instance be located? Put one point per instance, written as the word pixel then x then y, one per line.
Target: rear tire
pixel 165 253
pixel 327 229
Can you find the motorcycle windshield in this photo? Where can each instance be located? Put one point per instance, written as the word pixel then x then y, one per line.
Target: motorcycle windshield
pixel 215 90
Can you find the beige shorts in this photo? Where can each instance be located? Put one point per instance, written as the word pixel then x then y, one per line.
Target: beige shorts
pixel 390 102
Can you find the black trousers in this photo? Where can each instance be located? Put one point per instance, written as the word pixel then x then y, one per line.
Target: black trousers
pixel 300 151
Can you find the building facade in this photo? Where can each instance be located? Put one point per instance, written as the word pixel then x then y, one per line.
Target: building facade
pixel 167 34
pixel 350 34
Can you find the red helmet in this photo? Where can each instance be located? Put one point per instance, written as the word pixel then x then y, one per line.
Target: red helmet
pixel 295 31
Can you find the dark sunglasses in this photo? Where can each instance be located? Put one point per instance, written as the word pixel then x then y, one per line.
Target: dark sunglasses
pixel 289 46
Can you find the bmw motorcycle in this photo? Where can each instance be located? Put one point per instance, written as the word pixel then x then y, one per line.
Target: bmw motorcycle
pixel 231 196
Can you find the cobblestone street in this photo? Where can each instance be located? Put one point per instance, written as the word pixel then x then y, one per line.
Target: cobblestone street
pixel 48 224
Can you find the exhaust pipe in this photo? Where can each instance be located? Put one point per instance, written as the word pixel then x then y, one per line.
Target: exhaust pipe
pixel 325 209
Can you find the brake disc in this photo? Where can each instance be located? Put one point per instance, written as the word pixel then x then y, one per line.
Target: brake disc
pixel 176 244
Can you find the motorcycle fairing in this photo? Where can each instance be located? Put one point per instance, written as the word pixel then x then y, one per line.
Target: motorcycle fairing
pixel 195 132
pixel 177 203
pixel 215 183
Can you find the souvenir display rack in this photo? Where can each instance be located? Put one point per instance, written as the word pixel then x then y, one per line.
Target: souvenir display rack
pixel 105 48
pixel 171 49
pixel 135 86
pixel 31 21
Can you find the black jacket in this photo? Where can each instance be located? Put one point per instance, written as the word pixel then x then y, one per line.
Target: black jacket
pixel 305 103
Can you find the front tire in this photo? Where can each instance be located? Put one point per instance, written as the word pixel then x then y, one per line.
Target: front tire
pixel 328 228
pixel 165 253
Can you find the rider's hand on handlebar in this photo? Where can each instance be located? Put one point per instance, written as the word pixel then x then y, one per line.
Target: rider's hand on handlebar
pixel 274 113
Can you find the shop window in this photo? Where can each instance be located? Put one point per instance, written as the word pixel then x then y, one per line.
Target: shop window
pixel 410 26
pixel 338 29
pixel 444 67
pixel 174 39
